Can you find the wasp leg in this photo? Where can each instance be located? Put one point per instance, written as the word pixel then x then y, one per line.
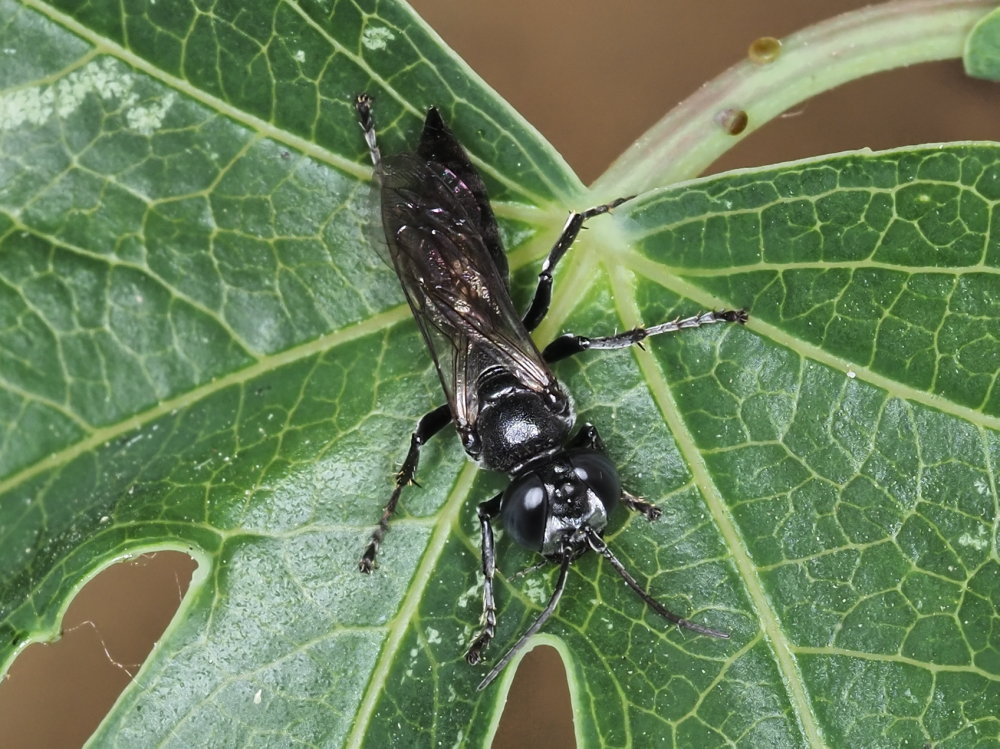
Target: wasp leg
pixel 543 292
pixel 570 344
pixel 640 505
pixel 486 511
pixel 430 424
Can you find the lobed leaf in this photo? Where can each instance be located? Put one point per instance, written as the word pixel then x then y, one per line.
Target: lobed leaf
pixel 199 350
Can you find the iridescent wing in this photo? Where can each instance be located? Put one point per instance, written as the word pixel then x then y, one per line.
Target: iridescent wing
pixel 445 247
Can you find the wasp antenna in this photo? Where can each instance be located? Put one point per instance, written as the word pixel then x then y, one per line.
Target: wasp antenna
pixel 598 545
pixel 535 626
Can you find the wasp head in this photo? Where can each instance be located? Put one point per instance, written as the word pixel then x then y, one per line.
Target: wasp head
pixel 552 504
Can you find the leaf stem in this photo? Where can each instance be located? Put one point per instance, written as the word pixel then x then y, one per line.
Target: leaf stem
pixel 689 138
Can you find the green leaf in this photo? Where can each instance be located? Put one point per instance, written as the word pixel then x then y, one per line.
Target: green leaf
pixel 199 350
pixel 982 48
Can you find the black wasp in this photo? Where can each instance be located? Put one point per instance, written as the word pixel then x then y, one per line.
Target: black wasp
pixel 510 412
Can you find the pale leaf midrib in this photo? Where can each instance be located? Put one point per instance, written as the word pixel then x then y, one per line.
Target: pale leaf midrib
pixel 659 389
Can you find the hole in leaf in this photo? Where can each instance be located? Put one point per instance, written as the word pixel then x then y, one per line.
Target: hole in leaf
pixel 538 710
pixel 56 694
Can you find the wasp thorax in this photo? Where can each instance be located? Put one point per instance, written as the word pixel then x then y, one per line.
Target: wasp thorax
pixel 518 428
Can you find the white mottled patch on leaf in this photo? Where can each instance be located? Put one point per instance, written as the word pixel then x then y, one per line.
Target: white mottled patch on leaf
pixel 146 119
pixel 536 592
pixel 376 37
pixel 105 78
pixel 979 542
pixel 36 105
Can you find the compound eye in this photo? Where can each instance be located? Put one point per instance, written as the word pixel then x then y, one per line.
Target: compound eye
pixel 600 476
pixel 524 510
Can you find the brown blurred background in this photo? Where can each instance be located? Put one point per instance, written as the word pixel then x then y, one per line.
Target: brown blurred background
pixel 574 70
